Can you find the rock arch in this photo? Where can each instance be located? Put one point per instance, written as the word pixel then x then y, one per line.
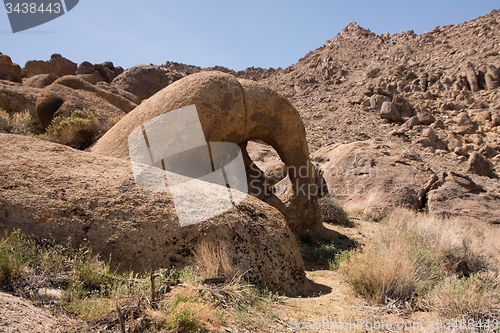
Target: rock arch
pixel 236 110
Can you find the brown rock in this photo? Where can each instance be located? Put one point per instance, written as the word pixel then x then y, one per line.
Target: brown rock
pixel 401 86
pixel 479 165
pixel 493 72
pixel 453 198
pixel 390 112
pixel 438 124
pixel 105 72
pixel 145 81
pixel 430 134
pixel 453 142
pixel 376 101
pixel 495 118
pixel 232 110
pixel 472 77
pixel 372 176
pixel 85 68
pixel 425 117
pixel 16 97
pixel 58 65
pixel 491 84
pixel 57 192
pixel 412 122
pixel 40 81
pixel 9 71
pixel 392 88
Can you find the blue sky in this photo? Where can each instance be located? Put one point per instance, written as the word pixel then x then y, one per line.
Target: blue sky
pixel 234 34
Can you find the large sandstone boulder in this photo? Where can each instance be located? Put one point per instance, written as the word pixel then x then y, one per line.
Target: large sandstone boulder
pixel 61 193
pixel 232 110
pixel 374 177
pixel 8 70
pixel 16 97
pixel 71 93
pixel 458 195
pixel 145 81
pixel 57 64
pixel 40 81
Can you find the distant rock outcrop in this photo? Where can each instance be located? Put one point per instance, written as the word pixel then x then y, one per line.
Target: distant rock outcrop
pixel 145 81
pixel 57 64
pixel 8 70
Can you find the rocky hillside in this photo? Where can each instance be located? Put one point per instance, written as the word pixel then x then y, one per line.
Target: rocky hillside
pixel 434 94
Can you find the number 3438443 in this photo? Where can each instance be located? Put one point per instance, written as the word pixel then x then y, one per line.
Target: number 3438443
pixel 32 8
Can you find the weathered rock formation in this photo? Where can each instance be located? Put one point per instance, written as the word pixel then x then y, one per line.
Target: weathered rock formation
pixel 145 81
pixel 57 64
pixel 232 110
pixel 40 81
pixel 71 93
pixel 58 192
pixel 374 176
pixel 8 70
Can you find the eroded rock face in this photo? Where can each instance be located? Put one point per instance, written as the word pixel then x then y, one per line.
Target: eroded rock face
pixel 232 110
pixel 458 195
pixel 8 70
pixel 145 81
pixel 40 81
pixel 58 65
pixel 374 176
pixel 16 97
pixel 58 192
pixel 71 93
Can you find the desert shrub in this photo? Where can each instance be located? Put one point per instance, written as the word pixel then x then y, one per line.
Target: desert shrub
pixel 320 252
pixel 475 297
pixel 180 302
pixel 414 254
pixel 16 254
pixel 332 212
pixel 79 130
pixel 17 123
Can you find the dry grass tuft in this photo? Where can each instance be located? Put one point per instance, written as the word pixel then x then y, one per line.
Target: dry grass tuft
pixel 475 297
pixel 213 261
pixel 418 259
pixel 17 123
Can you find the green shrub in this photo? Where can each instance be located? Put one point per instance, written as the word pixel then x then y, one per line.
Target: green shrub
pixel 79 130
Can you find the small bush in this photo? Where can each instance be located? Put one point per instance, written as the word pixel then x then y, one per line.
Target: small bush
pixel 79 130
pixel 475 297
pixel 321 253
pixel 16 254
pixel 414 254
pixel 17 123
pixel 333 213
